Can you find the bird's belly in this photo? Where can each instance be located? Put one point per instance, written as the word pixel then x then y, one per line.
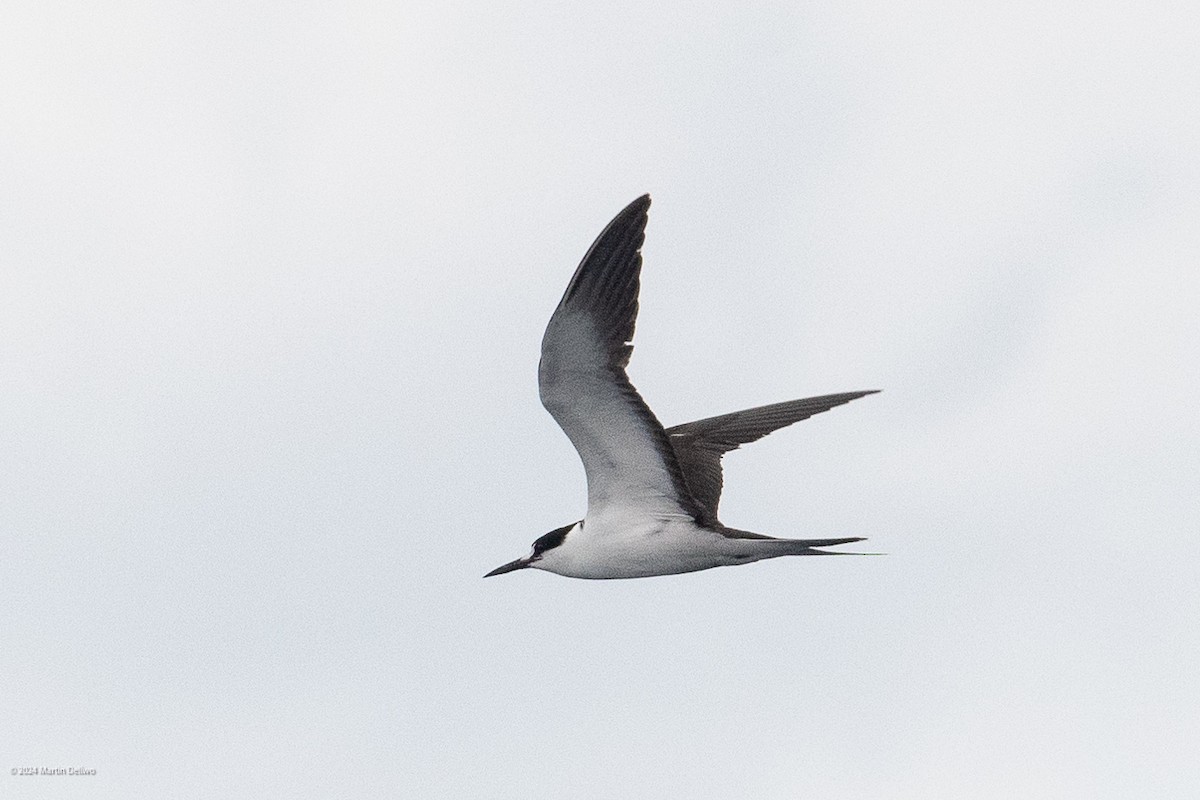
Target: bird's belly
pixel 645 549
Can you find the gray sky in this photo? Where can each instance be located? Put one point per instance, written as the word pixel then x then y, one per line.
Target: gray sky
pixel 272 284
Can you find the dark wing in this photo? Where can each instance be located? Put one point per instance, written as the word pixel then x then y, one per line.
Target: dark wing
pixel 699 445
pixel 583 384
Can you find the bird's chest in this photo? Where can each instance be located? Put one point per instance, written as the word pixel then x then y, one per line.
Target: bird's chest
pixel 614 530
pixel 615 547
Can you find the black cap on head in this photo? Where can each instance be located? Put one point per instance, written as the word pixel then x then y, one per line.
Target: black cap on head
pixel 551 540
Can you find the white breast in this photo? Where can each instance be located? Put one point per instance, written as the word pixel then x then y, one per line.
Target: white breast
pixel 635 546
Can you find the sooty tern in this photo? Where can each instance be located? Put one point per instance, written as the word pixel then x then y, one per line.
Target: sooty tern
pixel 652 493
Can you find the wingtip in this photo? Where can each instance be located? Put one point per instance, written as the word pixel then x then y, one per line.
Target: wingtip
pixel 632 215
pixel 639 205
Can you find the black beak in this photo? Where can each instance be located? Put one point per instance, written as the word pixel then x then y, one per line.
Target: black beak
pixel 520 563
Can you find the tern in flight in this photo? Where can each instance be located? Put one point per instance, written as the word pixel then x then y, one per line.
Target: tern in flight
pixel 652 493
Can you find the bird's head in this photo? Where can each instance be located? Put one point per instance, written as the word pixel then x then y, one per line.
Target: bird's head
pixel 543 549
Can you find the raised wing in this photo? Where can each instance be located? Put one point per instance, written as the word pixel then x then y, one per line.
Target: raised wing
pixel 582 380
pixel 699 445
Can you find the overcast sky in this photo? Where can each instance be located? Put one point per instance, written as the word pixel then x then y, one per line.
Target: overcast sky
pixel 273 279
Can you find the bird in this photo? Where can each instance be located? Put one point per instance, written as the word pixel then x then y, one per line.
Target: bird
pixel 652 492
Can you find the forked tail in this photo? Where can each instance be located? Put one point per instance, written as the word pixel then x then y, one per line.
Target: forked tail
pixel 796 547
pixel 808 547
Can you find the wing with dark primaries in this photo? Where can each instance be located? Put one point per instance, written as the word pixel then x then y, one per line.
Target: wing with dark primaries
pixel 583 384
pixel 699 445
